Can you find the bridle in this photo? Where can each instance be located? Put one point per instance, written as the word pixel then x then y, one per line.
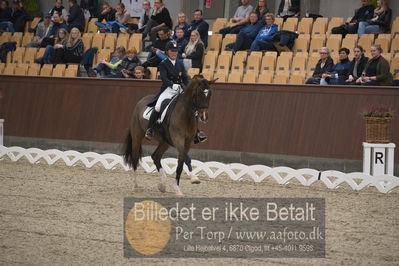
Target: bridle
pixel 196 107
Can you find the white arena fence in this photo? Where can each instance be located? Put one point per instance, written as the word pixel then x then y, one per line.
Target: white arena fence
pixel 236 171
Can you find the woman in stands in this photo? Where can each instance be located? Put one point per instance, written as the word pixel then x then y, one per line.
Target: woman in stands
pixel 289 8
pixel 194 50
pixel 182 24
pixel 262 40
pixel 110 68
pixel 340 72
pixel 376 72
pixel 357 65
pixel 324 65
pixel 380 22
pixel 71 50
pixel 48 57
pixel 261 9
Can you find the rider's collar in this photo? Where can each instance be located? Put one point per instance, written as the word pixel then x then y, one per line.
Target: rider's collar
pixel 172 61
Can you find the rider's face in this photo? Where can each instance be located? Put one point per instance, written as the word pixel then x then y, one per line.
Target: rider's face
pixel 172 54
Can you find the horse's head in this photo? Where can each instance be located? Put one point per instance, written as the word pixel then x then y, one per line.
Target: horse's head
pixel 201 93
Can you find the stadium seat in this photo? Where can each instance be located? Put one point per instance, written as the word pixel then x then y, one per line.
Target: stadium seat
pixel 191 72
pixel 235 77
pixel 334 44
pixel 395 67
pixel 395 27
pixel 122 40
pixel 87 39
pixel 220 76
pixel 219 24
pixel 387 56
pixel 5 37
pixel 136 41
pixel 214 42
pixel 2 67
pixel 33 71
pixel 17 37
pixel 102 54
pixel 98 41
pixel 35 21
pixel 30 55
pixel 349 43
pixel 229 38
pixel 210 60
pixel 384 36
pixel 291 24
pixel 283 63
pixel 384 43
pixel 238 62
pixel 21 70
pixel 257 53
pixel 92 28
pixel 153 72
pixel 243 54
pixel 27 38
pixel 316 43
pixel 207 75
pixel 109 42
pixel 46 70
pixel 9 70
pixel 40 52
pixel 269 62
pixel 299 64
pixel 335 36
pixel 297 78
pixel 320 26
pixel 224 62
pixel 71 71
pixel 281 78
pixel 395 46
pixel 253 63
pixel 301 45
pixel 366 43
pixel 312 62
pixel 305 26
pixel 250 77
pixel 279 23
pixel 334 22
pixel 59 70
pixel 18 55
pixel 266 77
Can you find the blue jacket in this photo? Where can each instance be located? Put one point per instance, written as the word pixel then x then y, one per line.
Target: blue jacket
pixel 266 32
pixel 251 30
pixel 342 69
pixel 185 29
pixel 202 27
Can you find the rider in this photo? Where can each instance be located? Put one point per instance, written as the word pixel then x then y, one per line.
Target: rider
pixel 173 74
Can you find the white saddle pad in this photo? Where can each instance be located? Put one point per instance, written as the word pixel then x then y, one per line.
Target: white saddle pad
pixel 148 111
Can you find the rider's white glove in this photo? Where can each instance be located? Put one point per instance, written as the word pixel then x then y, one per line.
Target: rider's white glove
pixel 176 87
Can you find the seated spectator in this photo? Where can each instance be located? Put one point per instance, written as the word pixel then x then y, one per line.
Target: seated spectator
pixel 145 17
pixel 58 23
pixel 139 73
pixel 376 72
pixel 107 14
pixel 71 50
pixel 122 17
pixel 262 40
pixel 200 25
pixel 48 57
pixel 261 9
pixel 246 35
pixel 76 18
pixel 380 22
pixel 289 8
pixel 5 17
pixel 239 20
pixel 129 64
pixel 362 14
pixel 182 24
pixel 160 19
pixel 60 9
pixel 181 42
pixel 339 72
pixel 110 68
pixel 91 6
pixel 18 18
pixel 43 30
pixel 194 50
pixel 357 65
pixel 324 65
pixel 157 50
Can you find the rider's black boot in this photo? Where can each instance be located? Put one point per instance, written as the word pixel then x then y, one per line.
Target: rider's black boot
pixel 153 118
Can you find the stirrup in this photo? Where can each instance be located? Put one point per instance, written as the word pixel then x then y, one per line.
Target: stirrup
pixel 149 134
pixel 198 138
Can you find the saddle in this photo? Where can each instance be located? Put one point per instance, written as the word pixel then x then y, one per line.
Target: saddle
pixel 167 107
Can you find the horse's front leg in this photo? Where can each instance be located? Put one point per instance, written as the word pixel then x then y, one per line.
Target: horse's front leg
pixel 179 169
pixel 193 178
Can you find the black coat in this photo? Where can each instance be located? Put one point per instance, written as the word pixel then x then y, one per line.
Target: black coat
pixel 76 18
pixel 285 38
pixel 196 56
pixel 5 14
pixel 363 14
pixel 164 17
pixel 360 67
pixel 170 74
pixel 326 68
pixel 383 20
pixel 110 16
pixel 295 6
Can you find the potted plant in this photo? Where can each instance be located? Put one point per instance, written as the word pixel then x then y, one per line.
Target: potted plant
pixel 378 123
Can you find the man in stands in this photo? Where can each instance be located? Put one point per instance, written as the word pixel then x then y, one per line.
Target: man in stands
pixel 5 17
pixel 200 25
pixel 180 41
pixel 59 8
pixel 364 13
pixel 107 14
pixel 160 19
pixel 58 23
pixel 158 49
pixel 43 30
pixel 76 18
pixel 239 20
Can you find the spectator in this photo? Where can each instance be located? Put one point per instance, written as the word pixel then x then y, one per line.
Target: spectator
pixel 262 40
pixel 324 65
pixel 145 17
pixel 380 22
pixel 181 42
pixel 43 30
pixel 60 9
pixel 5 17
pixel 58 23
pixel 19 16
pixel 357 65
pixel 200 25
pixel 362 14
pixel 71 50
pixel 376 72
pixel 246 35
pixel 122 17
pixel 110 68
pixel 157 50
pixel 261 9
pixel 91 6
pixel 340 72
pixel 289 8
pixel 76 18
pixel 160 19
pixel 129 64
pixel 107 14
pixel 182 24
pixel 139 73
pixel 48 56
pixel 239 20
pixel 194 50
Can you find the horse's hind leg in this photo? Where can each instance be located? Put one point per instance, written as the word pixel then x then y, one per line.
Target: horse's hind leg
pixel 193 178
pixel 156 157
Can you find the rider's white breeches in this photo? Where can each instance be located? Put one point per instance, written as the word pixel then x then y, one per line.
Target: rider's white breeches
pixel 168 93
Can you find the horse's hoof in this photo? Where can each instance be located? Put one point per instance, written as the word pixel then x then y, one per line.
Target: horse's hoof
pixel 179 194
pixel 162 187
pixel 195 180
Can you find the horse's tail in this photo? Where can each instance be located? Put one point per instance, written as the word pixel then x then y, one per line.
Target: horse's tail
pixel 132 155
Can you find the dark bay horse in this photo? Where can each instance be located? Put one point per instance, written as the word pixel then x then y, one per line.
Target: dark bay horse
pixel 191 106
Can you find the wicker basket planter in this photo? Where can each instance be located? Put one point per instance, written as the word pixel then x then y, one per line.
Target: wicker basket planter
pixel 378 129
